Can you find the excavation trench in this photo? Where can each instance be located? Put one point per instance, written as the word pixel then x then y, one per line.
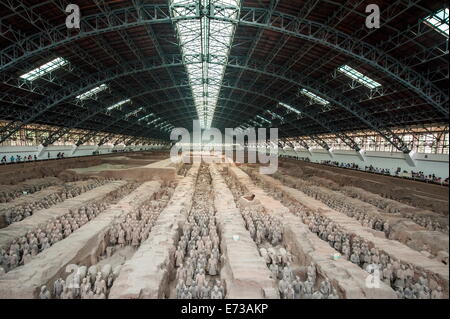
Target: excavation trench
pixel 390 225
pixel 244 270
pixel 42 217
pixel 404 191
pixel 198 261
pixel 348 280
pixel 149 272
pixel 404 269
pixel 364 203
pixel 85 246
pixel 25 206
pixel 293 279
pixel 9 193
pixel 121 241
pixel 43 232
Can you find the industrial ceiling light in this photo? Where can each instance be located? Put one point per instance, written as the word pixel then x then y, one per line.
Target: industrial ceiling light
pixel 135 112
pixel 263 119
pixel 290 108
pixel 146 117
pixel 92 92
pixel 119 104
pixel 314 97
pixel 275 115
pixel 359 77
pixel 44 69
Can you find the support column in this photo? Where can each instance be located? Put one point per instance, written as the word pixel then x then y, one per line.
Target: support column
pixel 411 158
pixel 362 155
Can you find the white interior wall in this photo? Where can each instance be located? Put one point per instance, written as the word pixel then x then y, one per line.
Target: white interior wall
pixel 437 164
pixel 68 150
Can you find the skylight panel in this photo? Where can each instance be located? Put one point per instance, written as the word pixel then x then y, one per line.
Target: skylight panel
pixel 275 115
pixel 162 124
pixel 290 108
pixel 205 46
pixel 44 69
pixel 263 119
pixel 358 76
pixel 439 21
pixel 314 97
pixel 146 117
pixel 92 92
pixel 135 112
pixel 117 105
pixel 255 123
pixel 155 120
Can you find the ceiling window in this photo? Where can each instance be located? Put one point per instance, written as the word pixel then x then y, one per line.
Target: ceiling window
pixel 275 115
pixel 290 108
pixel 205 46
pixel 439 21
pixel 263 119
pixel 146 117
pixel 314 97
pixel 134 113
pixel 44 69
pixel 92 92
pixel 359 77
pixel 119 104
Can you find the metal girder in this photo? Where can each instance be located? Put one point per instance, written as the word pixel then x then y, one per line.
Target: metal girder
pixel 152 107
pixel 290 144
pixel 269 70
pixel 346 44
pixel 85 84
pixel 255 17
pixel 87 137
pixel 323 90
pixel 53 37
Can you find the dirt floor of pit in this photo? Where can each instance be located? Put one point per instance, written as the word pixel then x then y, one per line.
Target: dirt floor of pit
pixel 102 167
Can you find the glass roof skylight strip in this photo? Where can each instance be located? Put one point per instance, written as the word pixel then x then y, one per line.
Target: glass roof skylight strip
pixel 263 119
pixel 274 115
pixel 439 21
pixel 214 43
pixel 314 97
pixel 290 108
pixel 115 106
pixel 44 69
pixel 92 92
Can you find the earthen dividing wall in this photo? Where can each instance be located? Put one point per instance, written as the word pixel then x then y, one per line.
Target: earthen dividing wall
pixel 347 277
pixel 245 271
pixel 164 170
pixel 147 274
pixel 13 174
pixel 82 247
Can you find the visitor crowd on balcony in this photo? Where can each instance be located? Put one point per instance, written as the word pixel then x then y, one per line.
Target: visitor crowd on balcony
pixel 29 158
pixel 18 159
